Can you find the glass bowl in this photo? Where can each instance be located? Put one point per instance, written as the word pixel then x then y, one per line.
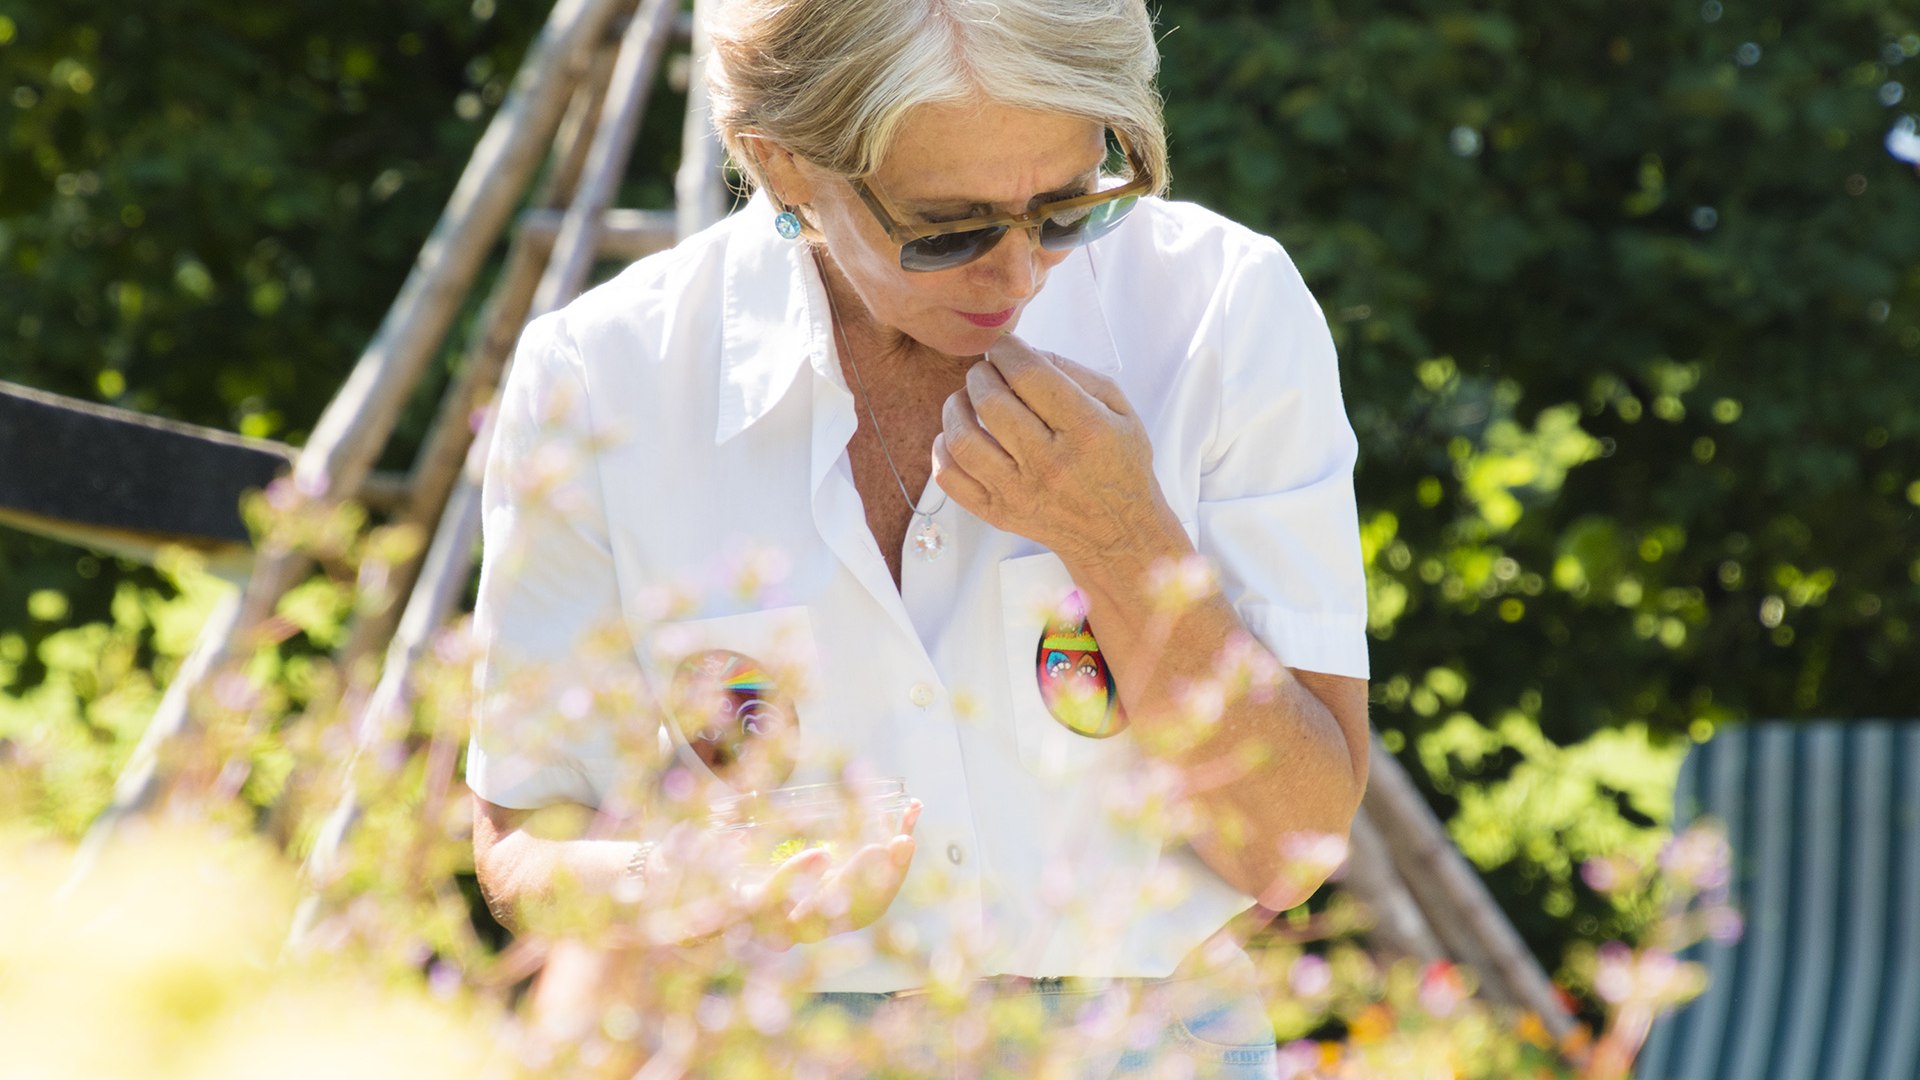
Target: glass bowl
pixel 770 827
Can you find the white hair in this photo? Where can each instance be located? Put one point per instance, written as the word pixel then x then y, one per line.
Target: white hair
pixel 831 80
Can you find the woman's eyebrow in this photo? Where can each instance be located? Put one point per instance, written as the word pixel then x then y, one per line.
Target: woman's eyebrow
pixel 1076 186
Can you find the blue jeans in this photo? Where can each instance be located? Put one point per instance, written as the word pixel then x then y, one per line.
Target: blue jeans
pixel 1202 1026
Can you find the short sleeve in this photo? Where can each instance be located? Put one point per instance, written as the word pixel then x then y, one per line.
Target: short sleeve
pixel 1277 513
pixel 553 647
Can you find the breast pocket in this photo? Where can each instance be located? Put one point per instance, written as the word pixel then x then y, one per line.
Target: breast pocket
pixel 1064 703
pixel 737 692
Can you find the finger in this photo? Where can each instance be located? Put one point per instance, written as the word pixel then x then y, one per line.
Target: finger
pixel 1047 391
pixel 956 481
pixel 970 444
pixel 858 890
pixel 800 875
pixel 883 880
pixel 809 861
pixel 911 818
pixel 816 915
pixel 769 906
pixel 900 851
pixel 1100 387
pixel 1001 412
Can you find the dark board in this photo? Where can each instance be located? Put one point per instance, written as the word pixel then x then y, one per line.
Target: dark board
pixel 94 466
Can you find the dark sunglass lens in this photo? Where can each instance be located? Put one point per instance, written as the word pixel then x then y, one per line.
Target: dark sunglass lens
pixel 1085 225
pixel 949 249
pixel 1063 230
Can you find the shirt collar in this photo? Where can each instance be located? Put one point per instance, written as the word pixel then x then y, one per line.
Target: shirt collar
pixel 768 326
pixel 775 320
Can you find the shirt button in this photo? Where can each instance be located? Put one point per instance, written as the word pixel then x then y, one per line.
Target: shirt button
pixel 921 694
pixel 955 855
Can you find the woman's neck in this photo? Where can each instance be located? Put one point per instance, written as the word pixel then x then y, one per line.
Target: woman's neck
pixel 884 352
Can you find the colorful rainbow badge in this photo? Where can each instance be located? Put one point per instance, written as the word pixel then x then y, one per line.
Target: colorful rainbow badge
pixel 1074 680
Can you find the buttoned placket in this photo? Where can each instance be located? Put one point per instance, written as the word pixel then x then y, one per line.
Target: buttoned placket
pixel 946 822
pixel 927 589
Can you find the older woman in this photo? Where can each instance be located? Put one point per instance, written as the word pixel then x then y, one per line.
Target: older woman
pixel 1054 482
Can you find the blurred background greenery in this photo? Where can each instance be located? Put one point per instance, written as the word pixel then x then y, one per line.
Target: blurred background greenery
pixel 1625 294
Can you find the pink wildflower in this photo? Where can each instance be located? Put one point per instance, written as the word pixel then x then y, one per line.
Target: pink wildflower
pixel 1654 977
pixel 1442 989
pixel 1699 858
pixel 1311 976
pixel 1725 925
pixel 1298 1059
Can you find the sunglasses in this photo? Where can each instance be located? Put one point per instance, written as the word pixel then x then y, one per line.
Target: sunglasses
pixel 1062 225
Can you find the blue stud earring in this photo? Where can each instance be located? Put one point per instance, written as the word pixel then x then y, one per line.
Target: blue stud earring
pixel 787 224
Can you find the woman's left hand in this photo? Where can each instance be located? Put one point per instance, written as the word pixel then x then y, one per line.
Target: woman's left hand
pixel 1041 446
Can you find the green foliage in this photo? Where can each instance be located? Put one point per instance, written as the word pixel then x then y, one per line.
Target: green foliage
pixel 68 732
pixel 1629 319
pixel 1694 411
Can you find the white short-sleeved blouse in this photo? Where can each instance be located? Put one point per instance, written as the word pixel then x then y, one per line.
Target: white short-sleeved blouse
pixel 688 419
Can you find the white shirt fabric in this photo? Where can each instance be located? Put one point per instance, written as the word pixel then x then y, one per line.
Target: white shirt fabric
pixel 687 422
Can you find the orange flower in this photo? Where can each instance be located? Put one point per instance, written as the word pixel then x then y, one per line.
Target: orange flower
pixel 1530 1029
pixel 1374 1023
pixel 1577 1042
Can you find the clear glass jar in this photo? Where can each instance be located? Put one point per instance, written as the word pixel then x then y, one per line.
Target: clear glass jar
pixel 770 827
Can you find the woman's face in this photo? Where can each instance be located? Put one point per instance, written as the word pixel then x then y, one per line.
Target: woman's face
pixel 950 162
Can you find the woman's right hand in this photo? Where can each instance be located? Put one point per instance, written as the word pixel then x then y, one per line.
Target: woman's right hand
pixel 813 897
pixel 808 898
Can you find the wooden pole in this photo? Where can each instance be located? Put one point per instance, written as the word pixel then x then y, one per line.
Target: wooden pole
pixel 582 120
pixel 1459 908
pixel 627 235
pixel 700 187
pixel 633 77
pixel 1399 926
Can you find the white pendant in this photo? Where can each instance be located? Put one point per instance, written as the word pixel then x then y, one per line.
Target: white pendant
pixel 930 539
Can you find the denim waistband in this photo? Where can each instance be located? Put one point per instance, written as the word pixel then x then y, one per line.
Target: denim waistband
pixel 1003 985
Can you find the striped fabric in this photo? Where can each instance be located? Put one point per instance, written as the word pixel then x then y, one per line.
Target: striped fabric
pixel 1824 819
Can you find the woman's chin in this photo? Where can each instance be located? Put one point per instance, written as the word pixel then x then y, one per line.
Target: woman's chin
pixel 968 340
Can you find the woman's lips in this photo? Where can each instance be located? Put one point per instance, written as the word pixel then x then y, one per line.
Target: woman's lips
pixel 991 318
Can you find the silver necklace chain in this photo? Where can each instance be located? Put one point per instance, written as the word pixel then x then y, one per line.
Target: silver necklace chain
pixel 929 540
